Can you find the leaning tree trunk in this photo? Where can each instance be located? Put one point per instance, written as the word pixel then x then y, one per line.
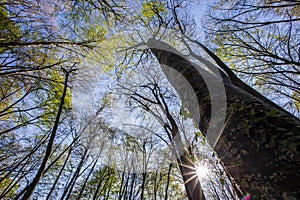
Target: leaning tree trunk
pixel 259 144
pixel 191 181
pixel 186 165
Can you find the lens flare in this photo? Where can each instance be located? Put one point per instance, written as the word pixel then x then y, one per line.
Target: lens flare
pixel 247 197
pixel 202 171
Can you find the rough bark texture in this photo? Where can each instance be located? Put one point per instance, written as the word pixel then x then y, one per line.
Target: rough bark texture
pixel 259 144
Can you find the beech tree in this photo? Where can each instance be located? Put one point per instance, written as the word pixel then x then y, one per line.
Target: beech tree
pixel 259 142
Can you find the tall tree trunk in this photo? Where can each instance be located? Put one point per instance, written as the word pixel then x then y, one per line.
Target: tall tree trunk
pixel 259 144
pixel 30 188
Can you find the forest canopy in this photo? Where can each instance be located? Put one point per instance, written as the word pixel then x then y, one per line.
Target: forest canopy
pixel 87 112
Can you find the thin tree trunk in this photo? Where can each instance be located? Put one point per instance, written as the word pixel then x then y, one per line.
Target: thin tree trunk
pixel 186 165
pixel 144 175
pixel 125 192
pixel 168 181
pixel 95 196
pixel 121 186
pixel 70 186
pixel 86 179
pixel 108 180
pixel 155 186
pixel 30 188
pixel 131 186
pixel 59 174
pixel 109 189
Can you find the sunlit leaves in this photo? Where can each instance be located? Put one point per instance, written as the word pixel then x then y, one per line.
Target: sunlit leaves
pixel 153 7
pixel 6 183
pixel 54 95
pixel 7 91
pixel 56 90
pixel 296 98
pixel 9 30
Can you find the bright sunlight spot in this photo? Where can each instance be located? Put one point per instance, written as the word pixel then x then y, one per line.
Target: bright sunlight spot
pixel 202 171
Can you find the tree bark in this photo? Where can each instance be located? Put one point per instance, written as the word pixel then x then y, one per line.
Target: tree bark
pixel 259 144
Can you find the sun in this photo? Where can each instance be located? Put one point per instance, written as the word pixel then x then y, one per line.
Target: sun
pixel 202 171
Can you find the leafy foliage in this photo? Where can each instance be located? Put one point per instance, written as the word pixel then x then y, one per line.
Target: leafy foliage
pixel 105 41
pixel 9 30
pixel 152 8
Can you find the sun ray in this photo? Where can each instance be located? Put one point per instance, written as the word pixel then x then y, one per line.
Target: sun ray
pixel 187 166
pixel 190 179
